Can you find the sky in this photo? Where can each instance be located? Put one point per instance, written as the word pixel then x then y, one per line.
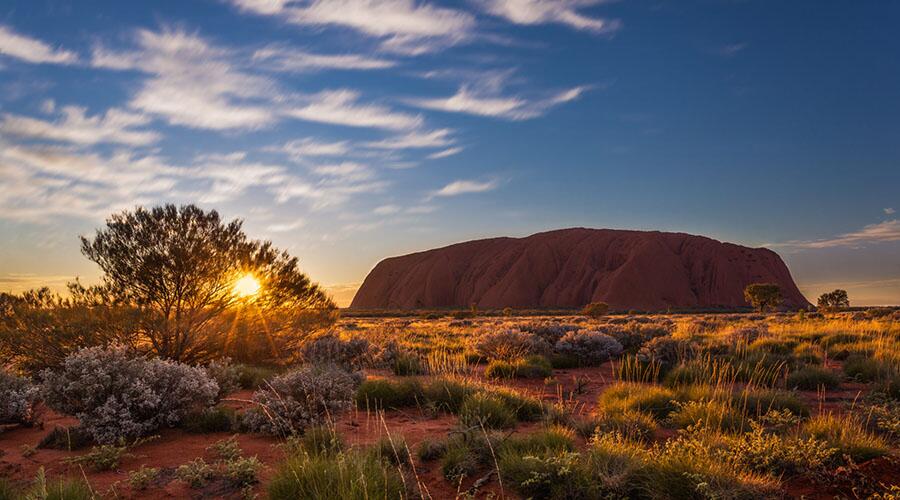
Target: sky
pixel 347 131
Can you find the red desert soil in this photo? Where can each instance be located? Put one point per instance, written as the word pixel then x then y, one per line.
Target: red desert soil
pixel 568 268
pixel 175 447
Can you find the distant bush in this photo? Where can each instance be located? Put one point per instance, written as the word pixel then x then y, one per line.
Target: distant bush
pixel 530 367
pixel 632 397
pixel 589 347
pixel 382 393
pixel 351 354
pixel 116 394
pixel 226 375
pixel 488 410
pixel 508 344
pixel 300 398
pixel 847 435
pixel 595 309
pixel 18 398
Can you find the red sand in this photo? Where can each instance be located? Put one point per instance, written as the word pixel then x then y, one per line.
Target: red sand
pixel 569 268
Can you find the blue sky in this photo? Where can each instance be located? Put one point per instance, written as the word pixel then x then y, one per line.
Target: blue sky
pixel 351 130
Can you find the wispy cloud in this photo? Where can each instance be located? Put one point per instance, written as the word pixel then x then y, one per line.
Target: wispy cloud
pixel 873 233
pixel 192 83
pixel 416 139
pixel 482 103
pixel 342 107
pixel 406 26
pixel 288 59
pixel 551 11
pixel 300 149
pixel 32 50
pixel 889 211
pixel 115 126
pixel 285 227
pixel 731 50
pixel 445 153
pixel 459 187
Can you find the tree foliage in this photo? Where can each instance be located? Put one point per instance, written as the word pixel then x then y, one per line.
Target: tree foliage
pixel 833 300
pixel 763 296
pixel 178 266
pixel 595 309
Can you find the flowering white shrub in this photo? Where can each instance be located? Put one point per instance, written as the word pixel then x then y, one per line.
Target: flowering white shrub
pixel 300 398
pixel 589 346
pixel 116 394
pixel 226 374
pixel 18 397
pixel 508 344
pixel 351 354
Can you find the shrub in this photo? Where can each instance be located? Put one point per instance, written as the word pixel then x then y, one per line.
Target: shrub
pixel 530 367
pixel 318 440
pixel 447 394
pixel 216 419
pixel 195 473
pixel 711 414
pixel 253 377
pixel 140 479
pixel 352 475
pixel 18 398
pixel 488 410
pixel 589 347
pixel 383 393
pixel 226 375
pixel 117 395
pixel 525 408
pixel 847 435
pixel 666 352
pixel 755 402
pixel 629 424
pixel 300 398
pixel 406 364
pixel 351 354
pixel 242 471
pixel 595 309
pixel 508 345
pixel 866 369
pixel 60 489
pixel 810 378
pixel 393 449
pixel 771 453
pixel 631 397
pixel 429 450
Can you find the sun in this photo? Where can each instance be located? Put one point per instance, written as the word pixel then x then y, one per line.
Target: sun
pixel 246 286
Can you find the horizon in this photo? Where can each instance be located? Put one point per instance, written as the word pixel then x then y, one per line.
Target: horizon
pixel 346 139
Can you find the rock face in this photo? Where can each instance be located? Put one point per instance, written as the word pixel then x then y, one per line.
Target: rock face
pixel 568 268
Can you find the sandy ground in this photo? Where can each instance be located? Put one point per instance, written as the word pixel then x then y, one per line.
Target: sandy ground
pixel 358 428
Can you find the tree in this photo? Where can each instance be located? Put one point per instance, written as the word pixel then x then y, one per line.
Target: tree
pixel 178 267
pixel 595 309
pixel 763 296
pixel 833 300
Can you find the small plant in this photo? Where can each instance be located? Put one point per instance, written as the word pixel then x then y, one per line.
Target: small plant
pixel 141 479
pixel 393 449
pixel 28 450
pixel 62 489
pixel 352 475
pixel 195 473
pixel 242 471
pixel 406 364
pixel 108 456
pixel 226 449
pixel 319 440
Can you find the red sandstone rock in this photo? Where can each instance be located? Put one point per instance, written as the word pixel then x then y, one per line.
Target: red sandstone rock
pixel 568 268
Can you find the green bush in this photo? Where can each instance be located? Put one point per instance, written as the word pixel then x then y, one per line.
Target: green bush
pixel 59 489
pixel 847 435
pixel 393 449
pixel 216 419
pixel 627 396
pixel 810 378
pixel 711 414
pixel 406 364
pixel 429 450
pixel 755 402
pixel 253 377
pixel 353 475
pixel 530 367
pixel 488 410
pixel 383 393
pixel 447 394
pixel 632 425
pixel 866 369
pixel 319 440
pixel 501 369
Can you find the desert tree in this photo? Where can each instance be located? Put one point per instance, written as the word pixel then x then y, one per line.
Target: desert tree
pixel 833 300
pixel 178 266
pixel 763 296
